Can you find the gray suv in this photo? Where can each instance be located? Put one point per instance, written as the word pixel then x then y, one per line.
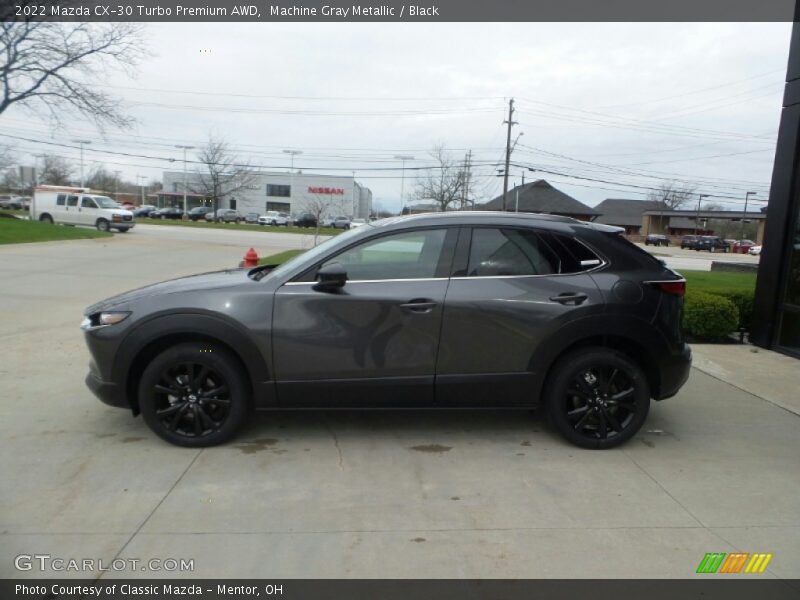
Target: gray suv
pixel 452 310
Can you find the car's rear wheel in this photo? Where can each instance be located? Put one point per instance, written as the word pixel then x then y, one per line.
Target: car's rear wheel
pixel 194 394
pixel 597 398
pixel 46 219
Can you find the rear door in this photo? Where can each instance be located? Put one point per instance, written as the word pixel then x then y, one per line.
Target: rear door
pixel 511 290
pixel 72 213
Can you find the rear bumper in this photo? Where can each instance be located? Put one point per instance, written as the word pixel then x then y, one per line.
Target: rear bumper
pixel 675 372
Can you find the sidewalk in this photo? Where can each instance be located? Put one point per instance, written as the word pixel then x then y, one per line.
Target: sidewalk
pixel 769 375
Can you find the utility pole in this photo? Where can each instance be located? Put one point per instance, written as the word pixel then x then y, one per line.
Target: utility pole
pixel 744 214
pixel 184 148
pixel 697 215
pixel 511 122
pixel 143 178
pixel 82 142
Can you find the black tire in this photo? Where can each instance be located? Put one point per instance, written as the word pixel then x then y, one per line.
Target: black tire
pixel 597 398
pixel 46 219
pixel 123 229
pixel 273 223
pixel 211 395
pixel 102 225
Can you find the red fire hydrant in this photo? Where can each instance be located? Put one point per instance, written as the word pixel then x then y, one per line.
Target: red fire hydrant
pixel 250 259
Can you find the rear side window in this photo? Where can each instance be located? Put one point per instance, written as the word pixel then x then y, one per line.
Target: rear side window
pixel 72 201
pixel 61 199
pixel 509 252
pixel 573 255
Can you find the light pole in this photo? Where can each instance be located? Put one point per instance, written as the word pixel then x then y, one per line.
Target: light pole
pixel 141 185
pixel 291 153
pixel 697 214
pixel 744 214
pixel 184 148
pixel 82 143
pixel 402 158
pixel 116 185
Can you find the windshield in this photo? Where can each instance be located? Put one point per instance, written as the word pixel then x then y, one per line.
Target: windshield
pixel 315 252
pixel 105 202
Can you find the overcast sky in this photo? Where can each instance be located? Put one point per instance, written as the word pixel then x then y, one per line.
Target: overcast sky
pixel 602 107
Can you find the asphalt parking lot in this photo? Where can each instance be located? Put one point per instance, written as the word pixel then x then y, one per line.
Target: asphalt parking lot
pixel 326 494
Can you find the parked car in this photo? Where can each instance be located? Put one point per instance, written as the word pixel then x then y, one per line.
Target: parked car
pixel 251 218
pixel 742 246
pixel 689 241
pixel 76 206
pixel 456 310
pixel 656 239
pixel 305 220
pixel 225 215
pixel 198 213
pixel 754 250
pixel 10 201
pixel 357 223
pixel 144 210
pixel 712 243
pixel 170 212
pixel 274 218
pixel 340 223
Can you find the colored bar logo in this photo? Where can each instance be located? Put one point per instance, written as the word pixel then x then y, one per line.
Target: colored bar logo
pixel 735 562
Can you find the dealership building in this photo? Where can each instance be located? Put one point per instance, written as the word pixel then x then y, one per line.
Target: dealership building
pixel 291 193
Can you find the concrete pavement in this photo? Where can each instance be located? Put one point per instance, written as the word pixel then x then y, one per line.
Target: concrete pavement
pixel 416 494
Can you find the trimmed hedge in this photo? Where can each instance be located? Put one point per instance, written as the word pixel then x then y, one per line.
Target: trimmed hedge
pixel 709 317
pixel 743 301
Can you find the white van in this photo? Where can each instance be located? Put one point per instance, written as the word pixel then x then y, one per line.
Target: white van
pixel 79 206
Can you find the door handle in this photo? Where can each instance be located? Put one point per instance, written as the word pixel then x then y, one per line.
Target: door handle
pixel 575 298
pixel 419 305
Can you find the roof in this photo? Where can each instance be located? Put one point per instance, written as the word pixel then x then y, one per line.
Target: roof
pixel 620 211
pixel 541 197
pixel 471 217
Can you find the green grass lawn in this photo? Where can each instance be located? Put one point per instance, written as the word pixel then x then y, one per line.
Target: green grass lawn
pixel 17 231
pixel 717 281
pixel 240 227
pixel 280 257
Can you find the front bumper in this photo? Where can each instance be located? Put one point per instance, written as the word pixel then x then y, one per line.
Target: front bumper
pixel 109 393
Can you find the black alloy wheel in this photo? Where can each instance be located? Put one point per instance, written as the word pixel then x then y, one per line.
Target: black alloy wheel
pixel 598 398
pixel 194 395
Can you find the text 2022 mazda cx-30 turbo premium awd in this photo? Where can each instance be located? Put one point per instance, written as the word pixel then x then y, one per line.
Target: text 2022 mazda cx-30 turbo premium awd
pixel 454 310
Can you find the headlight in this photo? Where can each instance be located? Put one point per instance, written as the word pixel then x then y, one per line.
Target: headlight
pixel 104 319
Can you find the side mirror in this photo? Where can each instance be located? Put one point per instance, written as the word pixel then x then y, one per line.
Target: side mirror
pixel 330 278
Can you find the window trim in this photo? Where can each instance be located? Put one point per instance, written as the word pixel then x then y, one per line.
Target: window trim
pixel 465 247
pixel 448 246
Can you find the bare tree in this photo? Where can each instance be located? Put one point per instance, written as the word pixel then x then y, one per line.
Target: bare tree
pixel 444 184
pixel 59 68
pixel 222 174
pixel 101 179
pixel 673 195
pixel 7 157
pixel 317 205
pixel 56 170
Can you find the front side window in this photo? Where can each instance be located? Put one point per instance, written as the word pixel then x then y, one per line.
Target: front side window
pixel 87 203
pixel 509 252
pixel 409 255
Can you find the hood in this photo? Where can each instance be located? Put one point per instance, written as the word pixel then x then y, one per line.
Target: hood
pixel 202 281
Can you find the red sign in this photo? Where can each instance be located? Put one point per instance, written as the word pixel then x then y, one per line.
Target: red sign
pixel 325 190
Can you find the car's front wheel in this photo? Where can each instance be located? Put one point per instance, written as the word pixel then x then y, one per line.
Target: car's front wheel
pixel 102 225
pixel 194 394
pixel 597 397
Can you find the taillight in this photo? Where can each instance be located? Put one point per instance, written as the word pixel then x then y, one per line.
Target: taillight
pixel 674 288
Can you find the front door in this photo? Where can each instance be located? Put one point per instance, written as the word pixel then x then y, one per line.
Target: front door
pixel 88 211
pixel 374 342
